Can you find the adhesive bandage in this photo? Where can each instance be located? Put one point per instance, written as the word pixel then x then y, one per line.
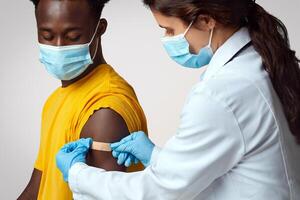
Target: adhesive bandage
pixel 101 146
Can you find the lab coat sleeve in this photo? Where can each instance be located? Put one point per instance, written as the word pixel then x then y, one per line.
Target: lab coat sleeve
pixel 155 153
pixel 207 145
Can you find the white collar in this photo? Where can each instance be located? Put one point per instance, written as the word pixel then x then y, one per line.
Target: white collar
pixel 227 51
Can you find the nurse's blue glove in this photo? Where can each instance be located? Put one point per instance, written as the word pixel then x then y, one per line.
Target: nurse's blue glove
pixel 72 153
pixel 136 146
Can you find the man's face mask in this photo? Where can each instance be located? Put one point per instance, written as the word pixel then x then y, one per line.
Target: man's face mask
pixel 67 62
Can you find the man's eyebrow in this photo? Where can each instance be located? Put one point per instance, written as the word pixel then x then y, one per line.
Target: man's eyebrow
pixel 45 29
pixel 66 30
pixel 73 29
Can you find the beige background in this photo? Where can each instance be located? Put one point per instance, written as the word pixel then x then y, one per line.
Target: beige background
pixel 131 45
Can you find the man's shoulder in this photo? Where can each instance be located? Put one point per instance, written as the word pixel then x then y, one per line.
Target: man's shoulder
pixel 118 82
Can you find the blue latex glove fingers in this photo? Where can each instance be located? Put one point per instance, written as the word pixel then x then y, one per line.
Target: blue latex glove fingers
pixel 122 158
pixel 136 161
pixel 79 143
pixel 72 153
pixel 129 160
pixel 136 144
pixel 115 154
pixel 60 162
pixel 124 140
pixel 79 155
pixel 67 148
pixel 132 137
pixel 86 142
pixel 126 147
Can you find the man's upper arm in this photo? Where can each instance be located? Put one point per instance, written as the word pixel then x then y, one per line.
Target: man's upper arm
pixel 105 125
pixel 32 189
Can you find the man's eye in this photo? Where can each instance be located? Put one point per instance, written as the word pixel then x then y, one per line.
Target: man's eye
pixel 73 38
pixel 47 36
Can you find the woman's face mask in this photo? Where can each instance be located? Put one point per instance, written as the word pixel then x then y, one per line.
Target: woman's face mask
pixel 178 49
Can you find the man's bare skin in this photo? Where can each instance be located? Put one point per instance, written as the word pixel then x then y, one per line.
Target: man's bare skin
pixel 59 25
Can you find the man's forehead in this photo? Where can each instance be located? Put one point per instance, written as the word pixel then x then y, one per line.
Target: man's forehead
pixel 74 9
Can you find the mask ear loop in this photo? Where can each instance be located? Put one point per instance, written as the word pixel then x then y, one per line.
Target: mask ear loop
pixel 97 44
pixel 210 37
pixel 95 32
pixel 189 27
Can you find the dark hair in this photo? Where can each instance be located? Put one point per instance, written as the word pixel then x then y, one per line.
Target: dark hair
pixel 96 6
pixel 269 37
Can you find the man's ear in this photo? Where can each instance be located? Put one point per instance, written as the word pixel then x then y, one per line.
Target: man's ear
pixel 205 22
pixel 102 27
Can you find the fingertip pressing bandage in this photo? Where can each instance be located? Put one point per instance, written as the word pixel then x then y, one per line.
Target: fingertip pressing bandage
pixel 101 146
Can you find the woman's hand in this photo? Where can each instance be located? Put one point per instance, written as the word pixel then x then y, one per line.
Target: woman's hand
pixel 72 153
pixel 136 146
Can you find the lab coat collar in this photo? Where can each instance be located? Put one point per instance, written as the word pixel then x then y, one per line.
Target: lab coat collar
pixel 227 51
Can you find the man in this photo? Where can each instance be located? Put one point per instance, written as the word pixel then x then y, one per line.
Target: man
pixel 93 101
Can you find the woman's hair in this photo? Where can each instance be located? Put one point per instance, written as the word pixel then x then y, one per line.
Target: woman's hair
pixel 96 6
pixel 269 37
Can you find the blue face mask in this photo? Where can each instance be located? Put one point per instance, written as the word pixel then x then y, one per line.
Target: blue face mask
pixel 67 62
pixel 178 49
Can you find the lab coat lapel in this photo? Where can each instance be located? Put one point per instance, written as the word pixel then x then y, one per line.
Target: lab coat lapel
pixel 227 51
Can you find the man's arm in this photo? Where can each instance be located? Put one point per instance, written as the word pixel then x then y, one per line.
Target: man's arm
pixel 105 125
pixel 207 145
pixel 32 189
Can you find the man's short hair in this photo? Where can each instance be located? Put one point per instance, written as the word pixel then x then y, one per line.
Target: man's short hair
pixel 96 5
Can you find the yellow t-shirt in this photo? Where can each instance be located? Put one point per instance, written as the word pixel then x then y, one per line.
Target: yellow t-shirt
pixel 66 112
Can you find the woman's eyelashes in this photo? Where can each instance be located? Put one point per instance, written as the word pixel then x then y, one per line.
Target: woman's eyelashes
pixel 169 32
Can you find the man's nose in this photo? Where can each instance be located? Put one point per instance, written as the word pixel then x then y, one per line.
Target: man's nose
pixel 59 41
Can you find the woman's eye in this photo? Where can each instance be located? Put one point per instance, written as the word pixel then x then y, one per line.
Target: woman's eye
pixel 169 32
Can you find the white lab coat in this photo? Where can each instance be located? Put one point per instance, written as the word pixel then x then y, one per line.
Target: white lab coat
pixel 233 142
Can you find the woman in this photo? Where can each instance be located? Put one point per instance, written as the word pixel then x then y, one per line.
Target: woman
pixel 235 138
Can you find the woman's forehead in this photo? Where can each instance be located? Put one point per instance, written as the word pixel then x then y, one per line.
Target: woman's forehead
pixel 167 21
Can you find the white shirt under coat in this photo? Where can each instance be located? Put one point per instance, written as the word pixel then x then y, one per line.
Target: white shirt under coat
pixel 233 142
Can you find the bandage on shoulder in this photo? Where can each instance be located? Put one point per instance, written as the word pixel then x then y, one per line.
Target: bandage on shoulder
pixel 101 146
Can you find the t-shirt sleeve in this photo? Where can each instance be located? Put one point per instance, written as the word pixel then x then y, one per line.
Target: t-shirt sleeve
pixel 39 160
pixel 127 108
